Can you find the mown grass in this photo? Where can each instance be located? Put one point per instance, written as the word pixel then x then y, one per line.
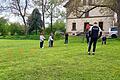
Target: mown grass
pixel 24 60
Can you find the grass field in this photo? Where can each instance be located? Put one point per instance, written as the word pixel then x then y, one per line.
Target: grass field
pixel 23 60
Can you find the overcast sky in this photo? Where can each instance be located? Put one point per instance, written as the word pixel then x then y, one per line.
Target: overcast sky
pixel 12 18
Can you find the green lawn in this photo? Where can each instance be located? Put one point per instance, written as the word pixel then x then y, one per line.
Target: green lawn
pixel 23 60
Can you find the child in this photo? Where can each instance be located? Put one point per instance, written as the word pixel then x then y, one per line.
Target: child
pixel 42 38
pixel 50 40
pixel 104 39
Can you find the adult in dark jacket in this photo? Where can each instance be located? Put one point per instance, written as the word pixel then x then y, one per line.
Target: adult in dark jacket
pixel 94 34
pixel 66 38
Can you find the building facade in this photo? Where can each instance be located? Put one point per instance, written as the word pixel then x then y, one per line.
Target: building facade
pixel 102 15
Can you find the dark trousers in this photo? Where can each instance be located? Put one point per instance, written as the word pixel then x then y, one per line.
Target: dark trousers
pixel 103 42
pixel 50 43
pixel 66 41
pixel 94 42
pixel 41 44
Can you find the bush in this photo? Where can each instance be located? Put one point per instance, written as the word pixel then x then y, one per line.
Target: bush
pixel 57 26
pixel 3 24
pixel 30 37
pixel 12 29
pixel 58 36
pixel 16 28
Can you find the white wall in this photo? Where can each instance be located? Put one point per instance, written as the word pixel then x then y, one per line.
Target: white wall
pixel 107 22
pixel 95 14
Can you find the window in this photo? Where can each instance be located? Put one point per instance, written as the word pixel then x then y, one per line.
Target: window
pixel 84 2
pixel 73 26
pixel 114 29
pixel 101 25
pixel 85 24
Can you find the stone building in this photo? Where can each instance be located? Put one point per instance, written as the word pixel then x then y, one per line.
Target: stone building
pixel 102 15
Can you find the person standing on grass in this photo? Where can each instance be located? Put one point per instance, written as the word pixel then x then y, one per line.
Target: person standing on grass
pixel 104 39
pixel 52 34
pixel 50 40
pixel 93 37
pixel 66 38
pixel 87 32
pixel 42 38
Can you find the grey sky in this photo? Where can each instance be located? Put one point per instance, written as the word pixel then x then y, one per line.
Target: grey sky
pixel 13 18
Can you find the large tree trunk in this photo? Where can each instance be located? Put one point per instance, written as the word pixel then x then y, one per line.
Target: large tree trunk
pixel 43 13
pixel 51 21
pixel 25 24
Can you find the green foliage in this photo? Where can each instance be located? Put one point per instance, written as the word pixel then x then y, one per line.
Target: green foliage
pixel 10 28
pixel 34 21
pixel 3 25
pixel 27 37
pixel 57 26
pixel 16 28
pixel 58 36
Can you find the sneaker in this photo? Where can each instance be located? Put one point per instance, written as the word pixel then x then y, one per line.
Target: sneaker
pixel 88 53
pixel 93 53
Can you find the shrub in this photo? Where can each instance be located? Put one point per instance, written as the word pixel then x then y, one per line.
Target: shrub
pixel 58 36
pixel 57 26
pixel 16 28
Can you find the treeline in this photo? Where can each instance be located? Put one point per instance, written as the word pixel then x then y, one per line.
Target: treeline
pixel 10 28
pixel 18 29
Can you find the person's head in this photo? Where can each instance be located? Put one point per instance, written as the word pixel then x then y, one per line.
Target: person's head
pixel 95 23
pixel 41 33
pixel 51 33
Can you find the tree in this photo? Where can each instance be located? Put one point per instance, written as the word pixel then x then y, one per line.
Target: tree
pixel 34 21
pixel 3 23
pixel 19 7
pixel 41 4
pixel 59 25
pixel 15 29
pixel 50 9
